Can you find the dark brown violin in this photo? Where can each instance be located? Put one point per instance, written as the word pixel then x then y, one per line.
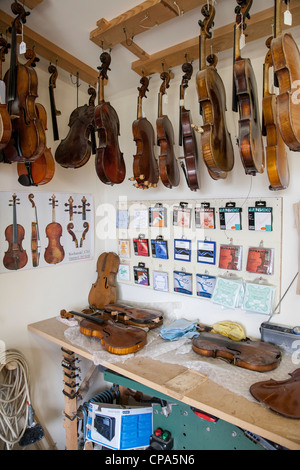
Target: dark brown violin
pixel 276 155
pixel 42 170
pixel 15 257
pixel 5 121
pixel 168 165
pixel 245 99
pixel 75 150
pixel 35 235
pixel 54 112
pixel 187 134
pixel 54 253
pixel 286 61
pixel 28 134
pixel 145 167
pixel 104 290
pixel 116 338
pixel 217 149
pixel 143 317
pixel 258 356
pixel 110 165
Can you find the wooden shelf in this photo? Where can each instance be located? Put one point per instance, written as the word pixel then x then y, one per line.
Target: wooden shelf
pixel 260 26
pixel 52 53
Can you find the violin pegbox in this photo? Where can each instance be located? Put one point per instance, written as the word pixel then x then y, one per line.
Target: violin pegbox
pixel 105 60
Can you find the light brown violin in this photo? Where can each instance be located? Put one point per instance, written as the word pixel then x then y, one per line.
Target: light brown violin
pixel 35 235
pixel 168 165
pixel 217 149
pixel 136 316
pixel 245 99
pixel 54 253
pixel 286 61
pixel 5 121
pixel 276 155
pixel 104 290
pixel 145 167
pixel 116 338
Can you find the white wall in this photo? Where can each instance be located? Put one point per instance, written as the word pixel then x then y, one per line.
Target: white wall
pixel 34 295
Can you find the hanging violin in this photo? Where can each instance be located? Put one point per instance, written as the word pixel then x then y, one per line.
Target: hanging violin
pixel 16 257
pixel 5 121
pixel 286 62
pixel 217 149
pixel 28 140
pixel 145 167
pixel 104 290
pixel 40 171
pixel 110 165
pixel 168 165
pixel 276 155
pixel 54 253
pixel 187 134
pixel 54 112
pixel 245 99
pixel 116 338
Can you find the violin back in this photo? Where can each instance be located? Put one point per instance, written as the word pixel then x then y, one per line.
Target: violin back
pixel 168 166
pixel 145 166
pixel 283 397
pixel 104 290
pixel 253 355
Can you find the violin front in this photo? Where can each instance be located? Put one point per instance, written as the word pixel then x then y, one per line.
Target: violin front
pixel 54 253
pixel 15 257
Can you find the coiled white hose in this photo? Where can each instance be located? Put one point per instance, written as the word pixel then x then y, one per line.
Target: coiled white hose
pixel 14 397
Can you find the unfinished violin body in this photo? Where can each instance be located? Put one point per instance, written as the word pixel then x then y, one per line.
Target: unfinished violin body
pixel 143 317
pixel 104 290
pixel 258 356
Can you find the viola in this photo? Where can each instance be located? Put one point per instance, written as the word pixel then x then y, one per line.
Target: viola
pixel 116 338
pixel 145 167
pixel 142 317
pixel 246 99
pixel 15 257
pixel 35 235
pixel 5 121
pixel 104 290
pixel 109 162
pixel 54 112
pixel 28 140
pixel 286 61
pixel 258 356
pixel 187 134
pixel 54 253
pixel 276 155
pixel 217 149
pixel 75 150
pixel 168 165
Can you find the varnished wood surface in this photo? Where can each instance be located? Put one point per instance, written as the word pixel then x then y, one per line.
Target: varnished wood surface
pixel 191 388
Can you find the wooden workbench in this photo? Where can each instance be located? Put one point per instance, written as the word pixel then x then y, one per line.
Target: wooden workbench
pixel 191 388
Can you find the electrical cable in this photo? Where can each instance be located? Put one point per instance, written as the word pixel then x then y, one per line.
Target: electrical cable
pixel 14 398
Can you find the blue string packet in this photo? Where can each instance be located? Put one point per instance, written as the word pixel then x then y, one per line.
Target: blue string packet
pixel 178 329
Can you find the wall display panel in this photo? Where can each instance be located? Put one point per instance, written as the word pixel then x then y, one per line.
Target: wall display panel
pixel 185 247
pixel 45 229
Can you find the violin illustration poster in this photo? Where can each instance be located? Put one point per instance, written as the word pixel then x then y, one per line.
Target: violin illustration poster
pixel 44 229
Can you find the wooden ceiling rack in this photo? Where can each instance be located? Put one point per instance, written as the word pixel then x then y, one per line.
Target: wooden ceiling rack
pixel 50 51
pixel 32 3
pixel 110 33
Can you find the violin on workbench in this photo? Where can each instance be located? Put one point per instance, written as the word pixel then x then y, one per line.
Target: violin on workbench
pixel 168 165
pixel 104 290
pixel 286 62
pixel 145 166
pixel 5 121
pixel 258 356
pixel 109 162
pixel 245 98
pixel 136 316
pixel 217 149
pixel 28 140
pixel 187 134
pixel 15 257
pixel 116 338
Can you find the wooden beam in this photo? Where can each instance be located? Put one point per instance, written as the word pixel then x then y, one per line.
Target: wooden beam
pixel 138 20
pixel 260 26
pixel 53 53
pixel 32 3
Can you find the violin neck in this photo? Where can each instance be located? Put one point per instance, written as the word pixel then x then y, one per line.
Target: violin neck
pixel 202 52
pixel 160 105
pixel 13 69
pixel 237 41
pixel 278 20
pixel 15 225
pixel 101 90
pixel 140 108
pixel 53 214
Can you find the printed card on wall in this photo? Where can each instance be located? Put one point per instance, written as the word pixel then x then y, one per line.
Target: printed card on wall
pixel 230 257
pixel 124 248
pixel 260 217
pixel 183 282
pixel 205 285
pixel 158 216
pixel 182 250
pixel 260 260
pixel 141 246
pixel 160 281
pixel 230 217
pixel 206 252
pixel 159 248
pixel 205 216
pixel 141 275
pixel 53 229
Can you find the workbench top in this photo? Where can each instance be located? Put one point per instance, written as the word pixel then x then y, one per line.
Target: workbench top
pixel 188 386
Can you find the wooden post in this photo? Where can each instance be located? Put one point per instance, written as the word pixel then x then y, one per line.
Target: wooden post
pixel 70 392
